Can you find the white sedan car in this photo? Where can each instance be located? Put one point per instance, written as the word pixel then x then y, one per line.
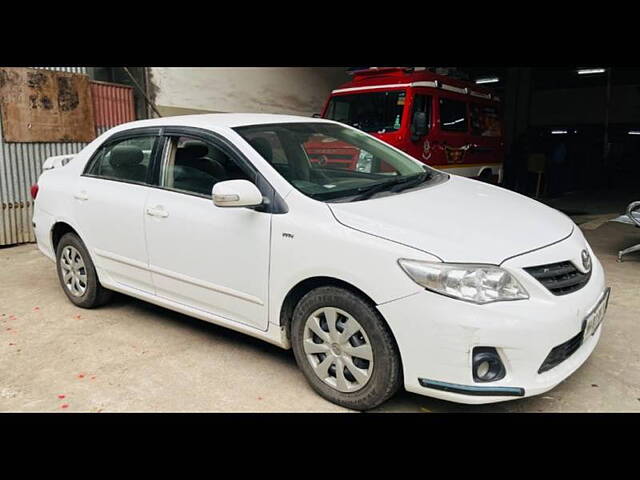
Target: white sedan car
pixel 379 273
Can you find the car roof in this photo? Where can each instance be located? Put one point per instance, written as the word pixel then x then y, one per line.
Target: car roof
pixel 221 120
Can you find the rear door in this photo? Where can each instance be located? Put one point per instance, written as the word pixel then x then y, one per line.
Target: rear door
pixel 486 133
pixel 109 200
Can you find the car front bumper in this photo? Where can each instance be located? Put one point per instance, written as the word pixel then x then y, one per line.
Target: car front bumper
pixel 436 334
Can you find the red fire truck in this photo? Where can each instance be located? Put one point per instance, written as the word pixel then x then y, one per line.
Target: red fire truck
pixel 444 122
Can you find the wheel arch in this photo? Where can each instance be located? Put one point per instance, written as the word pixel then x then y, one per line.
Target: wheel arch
pixel 58 230
pixel 485 169
pixel 63 226
pixel 303 287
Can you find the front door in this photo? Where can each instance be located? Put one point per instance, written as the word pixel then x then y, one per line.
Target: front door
pixel 420 147
pixel 211 258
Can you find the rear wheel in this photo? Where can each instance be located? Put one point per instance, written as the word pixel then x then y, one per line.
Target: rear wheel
pixel 486 176
pixel 345 349
pixel 77 273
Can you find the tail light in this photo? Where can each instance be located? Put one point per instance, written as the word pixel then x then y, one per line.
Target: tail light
pixel 34 190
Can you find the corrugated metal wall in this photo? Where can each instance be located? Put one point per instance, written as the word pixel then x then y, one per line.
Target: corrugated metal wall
pixel 113 105
pixel 20 167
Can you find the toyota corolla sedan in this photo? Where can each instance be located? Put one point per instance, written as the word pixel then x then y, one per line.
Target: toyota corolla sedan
pixel 379 275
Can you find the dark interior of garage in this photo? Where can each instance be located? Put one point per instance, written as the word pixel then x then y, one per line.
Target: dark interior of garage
pixel 585 120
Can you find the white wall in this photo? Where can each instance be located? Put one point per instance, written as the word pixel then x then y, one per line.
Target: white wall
pixel 292 90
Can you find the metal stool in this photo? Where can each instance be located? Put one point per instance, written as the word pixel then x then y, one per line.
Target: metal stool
pixel 631 218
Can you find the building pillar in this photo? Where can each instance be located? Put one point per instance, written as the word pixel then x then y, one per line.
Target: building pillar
pixel 516 122
pixel 517 103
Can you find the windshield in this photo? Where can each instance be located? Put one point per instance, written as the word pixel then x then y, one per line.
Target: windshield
pixel 332 162
pixel 379 112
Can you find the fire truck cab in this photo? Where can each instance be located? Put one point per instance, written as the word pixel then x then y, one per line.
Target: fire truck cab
pixel 442 121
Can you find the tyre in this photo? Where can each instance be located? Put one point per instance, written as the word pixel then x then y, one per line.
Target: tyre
pixel 345 349
pixel 486 176
pixel 77 274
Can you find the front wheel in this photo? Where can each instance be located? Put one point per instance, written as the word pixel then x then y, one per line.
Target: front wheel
pixel 77 274
pixel 345 349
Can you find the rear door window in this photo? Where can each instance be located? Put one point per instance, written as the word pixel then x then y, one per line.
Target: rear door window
pixel 125 160
pixel 453 115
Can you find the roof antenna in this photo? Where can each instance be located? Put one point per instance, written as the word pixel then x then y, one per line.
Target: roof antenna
pixel 135 82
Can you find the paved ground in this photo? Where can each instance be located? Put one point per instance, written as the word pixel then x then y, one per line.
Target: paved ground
pixel 132 356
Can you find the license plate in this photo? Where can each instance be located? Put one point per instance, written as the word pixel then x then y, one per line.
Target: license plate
pixel 596 316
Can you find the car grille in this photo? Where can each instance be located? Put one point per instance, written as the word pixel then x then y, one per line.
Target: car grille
pixel 560 353
pixel 559 278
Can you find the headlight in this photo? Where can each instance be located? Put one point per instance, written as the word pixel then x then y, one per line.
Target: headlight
pixel 473 283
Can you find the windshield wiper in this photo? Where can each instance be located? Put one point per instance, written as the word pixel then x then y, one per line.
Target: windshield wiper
pixel 411 182
pixel 373 189
pixel 395 185
pixel 376 187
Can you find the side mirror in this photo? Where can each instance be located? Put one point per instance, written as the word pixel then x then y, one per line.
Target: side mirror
pixel 316 115
pixel 418 125
pixel 236 193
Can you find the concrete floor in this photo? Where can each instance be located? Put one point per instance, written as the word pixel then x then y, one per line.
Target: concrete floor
pixel 130 356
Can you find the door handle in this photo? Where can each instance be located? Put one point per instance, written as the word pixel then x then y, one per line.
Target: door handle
pixel 81 196
pixel 157 212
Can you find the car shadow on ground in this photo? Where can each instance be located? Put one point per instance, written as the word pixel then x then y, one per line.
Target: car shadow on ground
pixel 201 326
pixel 403 401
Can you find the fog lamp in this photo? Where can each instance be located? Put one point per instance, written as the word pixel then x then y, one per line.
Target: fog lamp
pixel 487 366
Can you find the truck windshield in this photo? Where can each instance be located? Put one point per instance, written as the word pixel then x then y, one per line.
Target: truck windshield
pixel 364 166
pixel 378 112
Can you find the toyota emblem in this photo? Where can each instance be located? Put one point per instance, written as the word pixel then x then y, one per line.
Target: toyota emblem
pixel 586 260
